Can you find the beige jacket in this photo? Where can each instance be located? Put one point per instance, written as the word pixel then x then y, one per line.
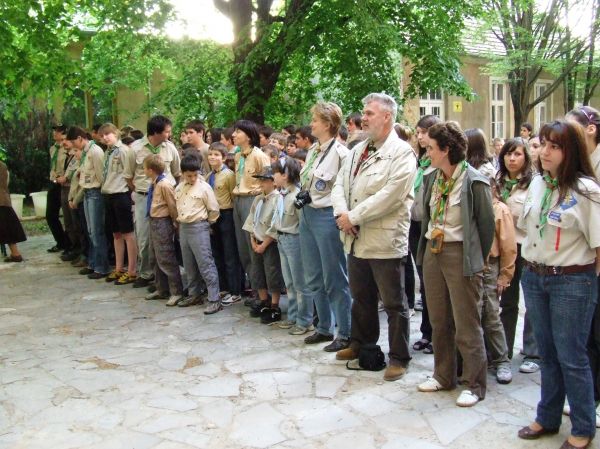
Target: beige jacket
pixel 378 199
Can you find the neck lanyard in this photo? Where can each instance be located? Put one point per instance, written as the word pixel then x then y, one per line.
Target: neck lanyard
pixel 306 173
pixel 551 185
pixel 444 188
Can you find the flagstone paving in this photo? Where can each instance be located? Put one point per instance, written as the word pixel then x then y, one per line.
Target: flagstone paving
pixel 84 364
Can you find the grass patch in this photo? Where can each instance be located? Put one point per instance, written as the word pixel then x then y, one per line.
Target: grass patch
pixel 35 227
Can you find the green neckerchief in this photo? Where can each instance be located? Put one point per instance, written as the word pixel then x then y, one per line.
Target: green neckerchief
pixel 444 188
pixel 308 166
pixel 423 164
pixel 509 185
pixel 551 184
pixel 241 165
pixel 152 148
pixel 54 160
pixel 107 155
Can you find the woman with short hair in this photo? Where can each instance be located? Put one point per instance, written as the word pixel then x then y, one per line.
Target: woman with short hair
pixel 323 258
pixel 457 232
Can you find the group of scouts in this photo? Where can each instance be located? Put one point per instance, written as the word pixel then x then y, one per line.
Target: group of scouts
pixel 338 231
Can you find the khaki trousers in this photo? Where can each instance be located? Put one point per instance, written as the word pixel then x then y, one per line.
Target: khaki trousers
pixel 454 303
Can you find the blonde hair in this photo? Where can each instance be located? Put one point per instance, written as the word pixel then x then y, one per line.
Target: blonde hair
pixel 108 128
pixel 155 163
pixel 330 113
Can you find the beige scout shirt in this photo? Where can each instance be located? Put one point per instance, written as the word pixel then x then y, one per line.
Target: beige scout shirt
pixel 139 151
pixel 247 164
pixel 196 202
pixel 453 227
pixel 260 219
pixel 163 201
pixel 92 169
pixel 378 198
pixel 70 170
pixel 515 203
pixel 116 163
pixel 287 218
pixel 504 245
pixel 58 154
pixel 320 171
pixel 571 235
pixel 224 186
pixel 595 159
pixel 75 190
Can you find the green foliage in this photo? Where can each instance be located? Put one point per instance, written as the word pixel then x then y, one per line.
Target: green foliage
pixel 196 84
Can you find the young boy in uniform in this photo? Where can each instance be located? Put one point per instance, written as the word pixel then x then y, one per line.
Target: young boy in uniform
pixel 197 209
pixel 266 276
pixel 162 210
pixel 222 181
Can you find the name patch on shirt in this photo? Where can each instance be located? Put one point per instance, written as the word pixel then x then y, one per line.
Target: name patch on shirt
pixel 553 215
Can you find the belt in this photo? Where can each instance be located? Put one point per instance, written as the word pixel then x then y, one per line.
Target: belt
pixel 142 193
pixel 547 270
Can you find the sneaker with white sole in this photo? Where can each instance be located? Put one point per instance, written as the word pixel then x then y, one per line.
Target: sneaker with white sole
pixel 504 375
pixel 155 295
pixel 430 385
pixel 529 367
pixel 230 300
pixel 467 399
pixel 301 330
pixel 286 324
pixel 174 300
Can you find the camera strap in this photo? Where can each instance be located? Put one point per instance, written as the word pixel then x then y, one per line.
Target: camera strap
pixel 312 178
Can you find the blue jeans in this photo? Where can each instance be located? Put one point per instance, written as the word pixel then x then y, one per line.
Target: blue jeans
pixel 560 309
pixel 94 216
pixel 325 272
pixel 300 309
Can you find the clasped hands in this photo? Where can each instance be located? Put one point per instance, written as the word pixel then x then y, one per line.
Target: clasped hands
pixel 344 225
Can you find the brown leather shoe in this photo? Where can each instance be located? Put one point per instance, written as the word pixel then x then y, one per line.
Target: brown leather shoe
pixel 346 354
pixel 567 445
pixel 394 372
pixel 527 433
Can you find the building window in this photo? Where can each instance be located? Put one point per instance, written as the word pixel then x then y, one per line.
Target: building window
pixel 498 104
pixel 432 103
pixel 543 110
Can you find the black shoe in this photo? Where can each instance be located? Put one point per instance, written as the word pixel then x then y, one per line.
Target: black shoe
pixel 54 249
pixel 86 271
pixel 141 282
pixel 258 307
pixel 337 345
pixel 271 315
pixel 65 251
pixel 69 256
pixel 96 275
pixel 317 338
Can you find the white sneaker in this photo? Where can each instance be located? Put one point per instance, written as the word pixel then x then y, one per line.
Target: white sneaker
pixel 155 295
pixel 230 300
pixel 286 324
pixel 567 411
pixel 467 399
pixel 430 385
pixel 173 300
pixel 529 367
pixel 504 375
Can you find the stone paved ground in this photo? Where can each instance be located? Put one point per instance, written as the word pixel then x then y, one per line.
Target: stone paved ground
pixel 88 365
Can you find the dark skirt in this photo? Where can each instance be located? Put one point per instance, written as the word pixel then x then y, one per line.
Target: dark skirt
pixel 11 230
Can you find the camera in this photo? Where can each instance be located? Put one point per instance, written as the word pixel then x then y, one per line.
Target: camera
pixel 302 199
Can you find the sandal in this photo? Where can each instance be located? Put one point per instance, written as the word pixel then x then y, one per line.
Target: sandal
pixel 421 344
pixel 428 349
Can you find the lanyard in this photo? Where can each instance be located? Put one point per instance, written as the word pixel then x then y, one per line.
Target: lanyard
pixel 305 173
